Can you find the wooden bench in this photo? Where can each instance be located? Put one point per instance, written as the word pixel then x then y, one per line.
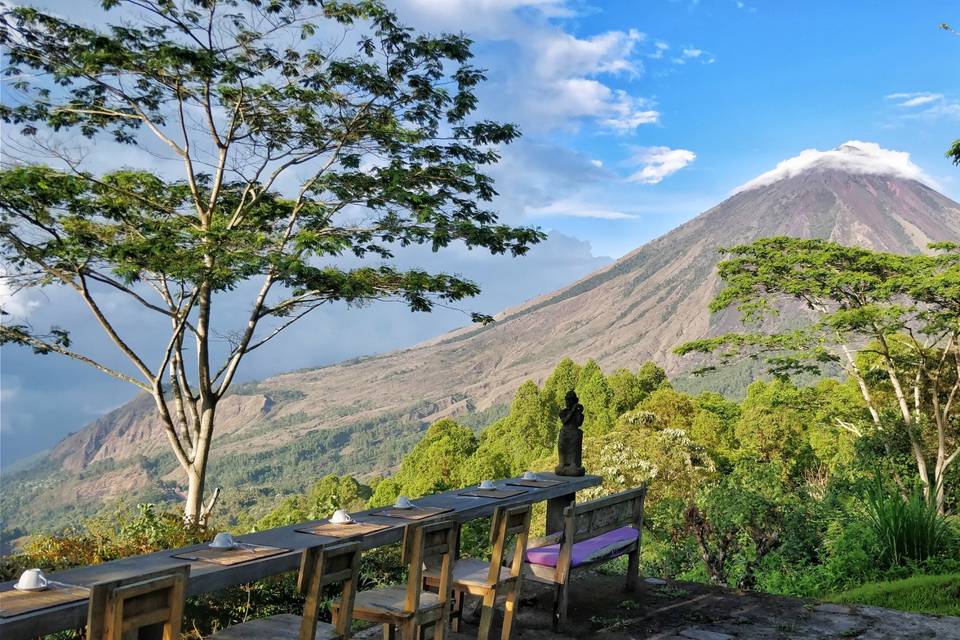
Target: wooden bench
pixel 593 533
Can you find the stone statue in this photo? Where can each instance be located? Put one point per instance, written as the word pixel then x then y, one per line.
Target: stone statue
pixel 570 441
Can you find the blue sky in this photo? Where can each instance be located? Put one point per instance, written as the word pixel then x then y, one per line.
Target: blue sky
pixel 637 116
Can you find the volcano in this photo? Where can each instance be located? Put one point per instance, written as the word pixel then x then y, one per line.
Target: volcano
pixel 360 416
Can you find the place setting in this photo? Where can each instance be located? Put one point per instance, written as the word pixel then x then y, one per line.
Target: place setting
pixel 404 509
pixel 532 480
pixel 489 489
pixel 226 551
pixel 343 525
pixel 35 591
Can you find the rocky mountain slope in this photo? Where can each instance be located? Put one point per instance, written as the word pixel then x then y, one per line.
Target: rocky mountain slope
pixel 360 416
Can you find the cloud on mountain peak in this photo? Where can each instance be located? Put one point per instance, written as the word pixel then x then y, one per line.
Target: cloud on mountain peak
pixel 853 156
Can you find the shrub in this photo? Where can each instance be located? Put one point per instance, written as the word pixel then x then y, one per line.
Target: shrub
pixel 909 530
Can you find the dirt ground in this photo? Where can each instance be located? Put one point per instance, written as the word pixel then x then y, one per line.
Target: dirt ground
pixel 599 608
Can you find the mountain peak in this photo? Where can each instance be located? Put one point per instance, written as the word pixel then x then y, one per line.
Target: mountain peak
pixel 854 157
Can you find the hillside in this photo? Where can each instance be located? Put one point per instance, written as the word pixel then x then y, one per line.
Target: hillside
pixel 360 416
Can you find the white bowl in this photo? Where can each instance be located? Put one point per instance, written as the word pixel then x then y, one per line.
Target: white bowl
pixel 487 484
pixel 530 475
pixel 403 502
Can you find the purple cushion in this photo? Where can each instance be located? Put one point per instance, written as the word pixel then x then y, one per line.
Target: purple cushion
pixel 608 545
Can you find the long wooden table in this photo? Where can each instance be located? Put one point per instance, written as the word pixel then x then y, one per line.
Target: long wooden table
pixel 206 577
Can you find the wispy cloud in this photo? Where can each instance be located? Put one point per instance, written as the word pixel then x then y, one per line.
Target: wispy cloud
pixel 914 99
pixel 576 209
pixel 656 163
pixel 693 54
pixel 924 104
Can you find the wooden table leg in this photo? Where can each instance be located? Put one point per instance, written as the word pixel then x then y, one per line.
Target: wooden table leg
pixel 555 507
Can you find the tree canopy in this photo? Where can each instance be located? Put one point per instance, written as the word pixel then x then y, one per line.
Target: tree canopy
pixel 891 322
pixel 304 133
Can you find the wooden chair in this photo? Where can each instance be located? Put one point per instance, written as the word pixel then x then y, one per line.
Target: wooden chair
pixel 593 533
pixel 120 608
pixel 487 579
pixel 319 567
pixel 409 608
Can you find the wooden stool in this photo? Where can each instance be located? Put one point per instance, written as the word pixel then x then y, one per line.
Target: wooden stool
pixel 411 609
pixel 319 567
pixel 120 608
pixel 487 579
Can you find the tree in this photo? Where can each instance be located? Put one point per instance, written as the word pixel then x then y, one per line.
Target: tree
pixel 673 409
pixel 558 383
pixel 526 434
pixel 891 322
pixel 370 135
pixel 597 398
pixel 323 498
pixel 626 391
pixel 437 463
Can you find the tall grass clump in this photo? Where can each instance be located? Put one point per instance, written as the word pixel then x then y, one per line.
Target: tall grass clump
pixel 908 529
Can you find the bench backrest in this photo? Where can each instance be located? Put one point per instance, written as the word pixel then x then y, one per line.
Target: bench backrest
pixel 322 566
pixel 587 520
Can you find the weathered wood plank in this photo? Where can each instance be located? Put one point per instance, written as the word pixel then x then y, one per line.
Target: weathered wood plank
pixel 205 577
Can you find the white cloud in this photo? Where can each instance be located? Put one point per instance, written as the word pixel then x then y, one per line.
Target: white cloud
pixel 853 156
pixel 914 99
pixel 16 303
pixel 660 48
pixel 577 209
pixel 689 54
pixel 658 162
pixel 541 75
pixel 925 105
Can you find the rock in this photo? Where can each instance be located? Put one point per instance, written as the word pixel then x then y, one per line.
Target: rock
pixel 655 581
pixel 704 634
pixel 833 608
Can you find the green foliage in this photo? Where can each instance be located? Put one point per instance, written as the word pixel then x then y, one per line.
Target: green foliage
pixel 746 515
pixel 934 595
pixel 435 464
pixel 891 322
pixel 527 433
pixel 673 464
pixel 597 398
pixel 323 498
pixel 673 409
pixel 908 530
pixel 563 378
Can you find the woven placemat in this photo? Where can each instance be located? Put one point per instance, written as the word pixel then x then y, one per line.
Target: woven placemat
pixel 536 484
pixel 227 557
pixel 416 513
pixel 13 602
pixel 492 493
pixel 344 530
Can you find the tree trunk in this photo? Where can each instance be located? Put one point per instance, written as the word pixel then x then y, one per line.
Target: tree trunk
pixel 194 508
pixel 195 511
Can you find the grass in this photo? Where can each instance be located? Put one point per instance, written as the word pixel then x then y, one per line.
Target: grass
pixel 937 595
